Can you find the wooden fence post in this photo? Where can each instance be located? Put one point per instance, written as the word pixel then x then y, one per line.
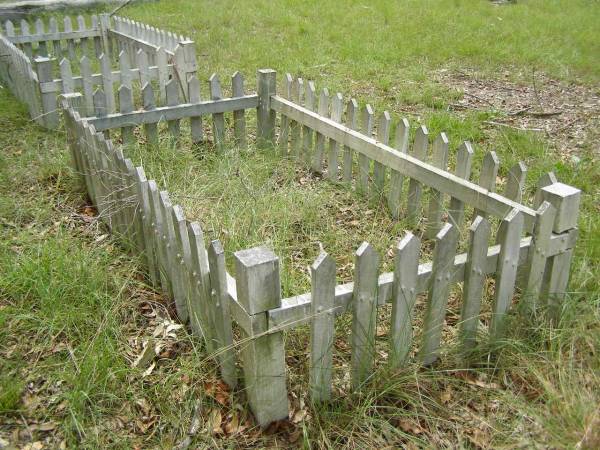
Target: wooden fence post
pixel 186 65
pixel 44 69
pixel 104 27
pixel 566 200
pixel 263 356
pixel 267 79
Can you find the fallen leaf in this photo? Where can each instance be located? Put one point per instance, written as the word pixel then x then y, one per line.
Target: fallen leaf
pixel 214 421
pixel 147 355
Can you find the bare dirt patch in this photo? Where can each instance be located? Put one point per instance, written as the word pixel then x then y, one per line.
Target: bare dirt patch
pixel 566 113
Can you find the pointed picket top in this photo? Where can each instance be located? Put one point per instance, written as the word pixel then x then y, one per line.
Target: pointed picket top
pixel 311 95
pixel 148 97
pixel 194 89
pixel 323 109
pixel 352 114
pixel 367 251
pixel 367 120
pixel 100 102
pixel 9 27
pixel 464 158
pixel 515 182
pixel 67 23
pixel 94 20
pixel 337 107
pixel 402 135
pixel 323 263
pixel 125 69
pixel 404 295
pixel 288 82
pixel 383 128
pixel 39 26
pixel 545 180
pixel 237 83
pixel 215 86
pixel 172 90
pixel 440 151
pixel 53 25
pixel 24 27
pixel 421 142
pixel 81 23
pixel 489 171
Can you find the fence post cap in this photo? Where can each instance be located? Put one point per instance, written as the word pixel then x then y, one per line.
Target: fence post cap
pixel 566 200
pixel 257 277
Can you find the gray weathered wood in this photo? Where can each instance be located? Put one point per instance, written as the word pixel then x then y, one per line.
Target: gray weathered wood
pixel 464 157
pixel 195 97
pixel 509 236
pixel 126 106
pixel 295 310
pixel 545 180
pixel 566 200
pixel 39 30
pixel 446 182
pixel 364 313
pixel 515 182
pixel 439 158
pixel 141 60
pixel 437 299
pixel 157 228
pixel 97 38
pixel 88 87
pixel 383 136
pixel 265 119
pixel 487 176
pixel 404 296
pixel 172 92
pixel 67 76
pixel 307 133
pixel 364 162
pixel 322 333
pixel 148 105
pixel 141 186
pixel 68 27
pixel 107 82
pixel 239 116
pixel 415 188
pixel 163 73
pixel 284 130
pixel 337 105
pixel 56 44
pixel 263 357
pixel 538 256
pixel 44 69
pixel 474 283
pixel 218 119
pixel 200 313
pixel 295 128
pixel 180 111
pixel 352 123
pixel 323 110
pixel 396 178
pixel 27 48
pixel 220 303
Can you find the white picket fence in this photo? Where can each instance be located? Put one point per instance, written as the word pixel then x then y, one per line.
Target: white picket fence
pixel 529 261
pixel 61 60
pixel 536 244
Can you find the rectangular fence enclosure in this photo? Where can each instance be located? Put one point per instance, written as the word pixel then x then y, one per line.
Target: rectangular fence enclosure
pixel 524 247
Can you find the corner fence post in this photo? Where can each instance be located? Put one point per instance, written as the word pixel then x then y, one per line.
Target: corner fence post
pixel 44 70
pixel 265 116
pixel 263 355
pixel 186 65
pixel 566 200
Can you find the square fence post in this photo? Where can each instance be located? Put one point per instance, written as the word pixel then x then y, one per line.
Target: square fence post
pixel 185 65
pixel 566 200
pixel 263 355
pixel 45 74
pixel 267 86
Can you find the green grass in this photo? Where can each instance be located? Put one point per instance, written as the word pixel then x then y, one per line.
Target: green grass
pixel 74 311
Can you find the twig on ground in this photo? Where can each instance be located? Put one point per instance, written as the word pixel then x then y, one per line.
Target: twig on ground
pixel 500 124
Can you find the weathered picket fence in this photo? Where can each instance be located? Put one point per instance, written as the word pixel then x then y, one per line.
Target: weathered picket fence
pixel 530 260
pixel 57 61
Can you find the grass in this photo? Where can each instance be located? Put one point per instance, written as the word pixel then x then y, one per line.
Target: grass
pixel 75 312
